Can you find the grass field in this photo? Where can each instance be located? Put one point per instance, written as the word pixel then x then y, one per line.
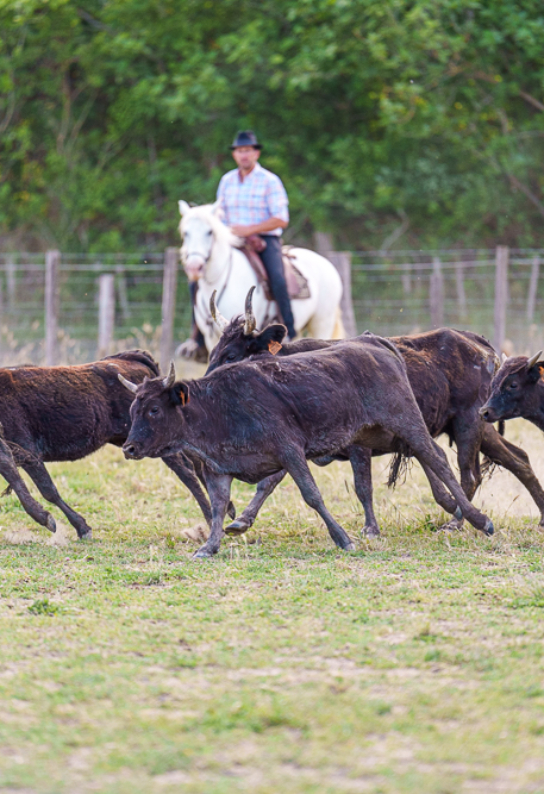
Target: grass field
pixel 415 664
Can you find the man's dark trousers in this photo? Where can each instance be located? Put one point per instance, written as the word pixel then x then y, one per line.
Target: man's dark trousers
pixel 273 262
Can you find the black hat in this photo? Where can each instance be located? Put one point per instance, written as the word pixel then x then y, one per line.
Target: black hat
pixel 246 138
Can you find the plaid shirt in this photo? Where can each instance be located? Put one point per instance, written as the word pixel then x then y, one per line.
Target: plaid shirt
pixel 259 197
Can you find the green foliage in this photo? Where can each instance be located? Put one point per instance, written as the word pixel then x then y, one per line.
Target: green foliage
pixel 419 120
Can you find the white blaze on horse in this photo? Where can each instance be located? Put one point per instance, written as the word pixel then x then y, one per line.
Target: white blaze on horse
pixel 211 256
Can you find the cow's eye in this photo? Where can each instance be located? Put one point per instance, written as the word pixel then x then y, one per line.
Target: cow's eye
pixel 231 356
pixel 513 384
pixel 153 411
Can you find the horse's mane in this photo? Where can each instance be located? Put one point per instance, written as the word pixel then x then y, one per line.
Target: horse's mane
pixel 206 213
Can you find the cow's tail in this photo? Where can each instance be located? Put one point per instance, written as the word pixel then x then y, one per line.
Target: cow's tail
pixel 339 332
pixel 489 466
pixel 400 464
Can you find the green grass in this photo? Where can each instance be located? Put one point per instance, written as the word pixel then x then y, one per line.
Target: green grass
pixel 415 664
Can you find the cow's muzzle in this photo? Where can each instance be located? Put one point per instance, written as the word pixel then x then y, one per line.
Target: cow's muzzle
pixel 131 451
pixel 488 414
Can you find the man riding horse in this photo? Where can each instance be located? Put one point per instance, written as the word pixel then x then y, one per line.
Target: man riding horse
pixel 254 202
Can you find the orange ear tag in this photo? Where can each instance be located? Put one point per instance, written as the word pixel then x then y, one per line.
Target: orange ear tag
pixel 274 347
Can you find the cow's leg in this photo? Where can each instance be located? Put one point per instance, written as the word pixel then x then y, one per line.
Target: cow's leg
pixel 247 518
pixel 507 455
pixel 184 469
pixel 361 464
pixel 301 474
pixel 48 490
pixel 468 433
pixel 8 470
pixel 409 426
pixel 440 494
pixel 219 492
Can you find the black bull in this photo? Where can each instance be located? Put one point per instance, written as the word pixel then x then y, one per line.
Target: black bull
pixel 65 413
pixel 450 373
pixel 256 418
pixel 517 390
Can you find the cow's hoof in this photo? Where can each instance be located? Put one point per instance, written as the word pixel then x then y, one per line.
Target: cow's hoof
pixel 455 525
pixel 489 529
pixel 86 535
pixel 202 554
pixel 51 524
pixel 458 514
pixel 237 527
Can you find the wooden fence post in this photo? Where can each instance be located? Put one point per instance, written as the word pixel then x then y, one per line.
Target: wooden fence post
pixel 106 313
pixel 501 295
pixel 122 291
pixel 406 279
pixel 342 262
pixel 171 258
pixel 11 282
pixel 323 243
pixel 436 294
pixel 52 262
pixel 460 285
pixel 533 288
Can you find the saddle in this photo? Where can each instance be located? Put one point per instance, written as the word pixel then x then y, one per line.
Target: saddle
pixel 297 284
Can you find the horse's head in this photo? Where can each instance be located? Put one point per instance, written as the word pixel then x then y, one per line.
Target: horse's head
pixel 200 228
pixel 197 234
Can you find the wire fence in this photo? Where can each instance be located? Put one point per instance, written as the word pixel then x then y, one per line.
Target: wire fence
pixel 392 294
pixel 138 295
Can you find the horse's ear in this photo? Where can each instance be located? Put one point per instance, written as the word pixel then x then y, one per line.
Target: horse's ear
pixel 215 208
pixel 183 207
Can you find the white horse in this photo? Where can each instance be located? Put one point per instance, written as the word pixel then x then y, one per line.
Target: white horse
pixel 210 255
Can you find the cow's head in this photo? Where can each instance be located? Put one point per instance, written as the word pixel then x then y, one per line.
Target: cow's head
pixel 155 420
pixel 516 390
pixel 240 338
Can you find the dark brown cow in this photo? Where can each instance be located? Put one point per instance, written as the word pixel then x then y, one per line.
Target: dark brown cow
pixel 65 413
pixel 257 418
pixel 450 373
pixel 517 390
pixel 8 470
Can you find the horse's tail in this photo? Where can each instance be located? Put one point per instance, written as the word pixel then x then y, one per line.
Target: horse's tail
pixel 339 332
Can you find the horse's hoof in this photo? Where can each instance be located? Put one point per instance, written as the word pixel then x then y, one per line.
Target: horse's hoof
pixel 489 528
pixel 350 547
pixel 458 514
pixel 51 524
pixel 370 532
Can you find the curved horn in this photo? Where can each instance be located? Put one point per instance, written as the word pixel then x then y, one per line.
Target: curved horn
pixel 218 318
pixel 170 378
pixel 532 361
pixel 250 322
pixel 128 384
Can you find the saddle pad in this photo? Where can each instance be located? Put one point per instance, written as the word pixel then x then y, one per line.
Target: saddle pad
pixel 297 284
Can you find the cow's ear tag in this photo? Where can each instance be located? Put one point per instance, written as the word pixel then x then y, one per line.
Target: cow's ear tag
pixel 274 347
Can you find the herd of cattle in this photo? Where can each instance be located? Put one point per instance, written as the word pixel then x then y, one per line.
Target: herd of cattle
pixel 265 408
